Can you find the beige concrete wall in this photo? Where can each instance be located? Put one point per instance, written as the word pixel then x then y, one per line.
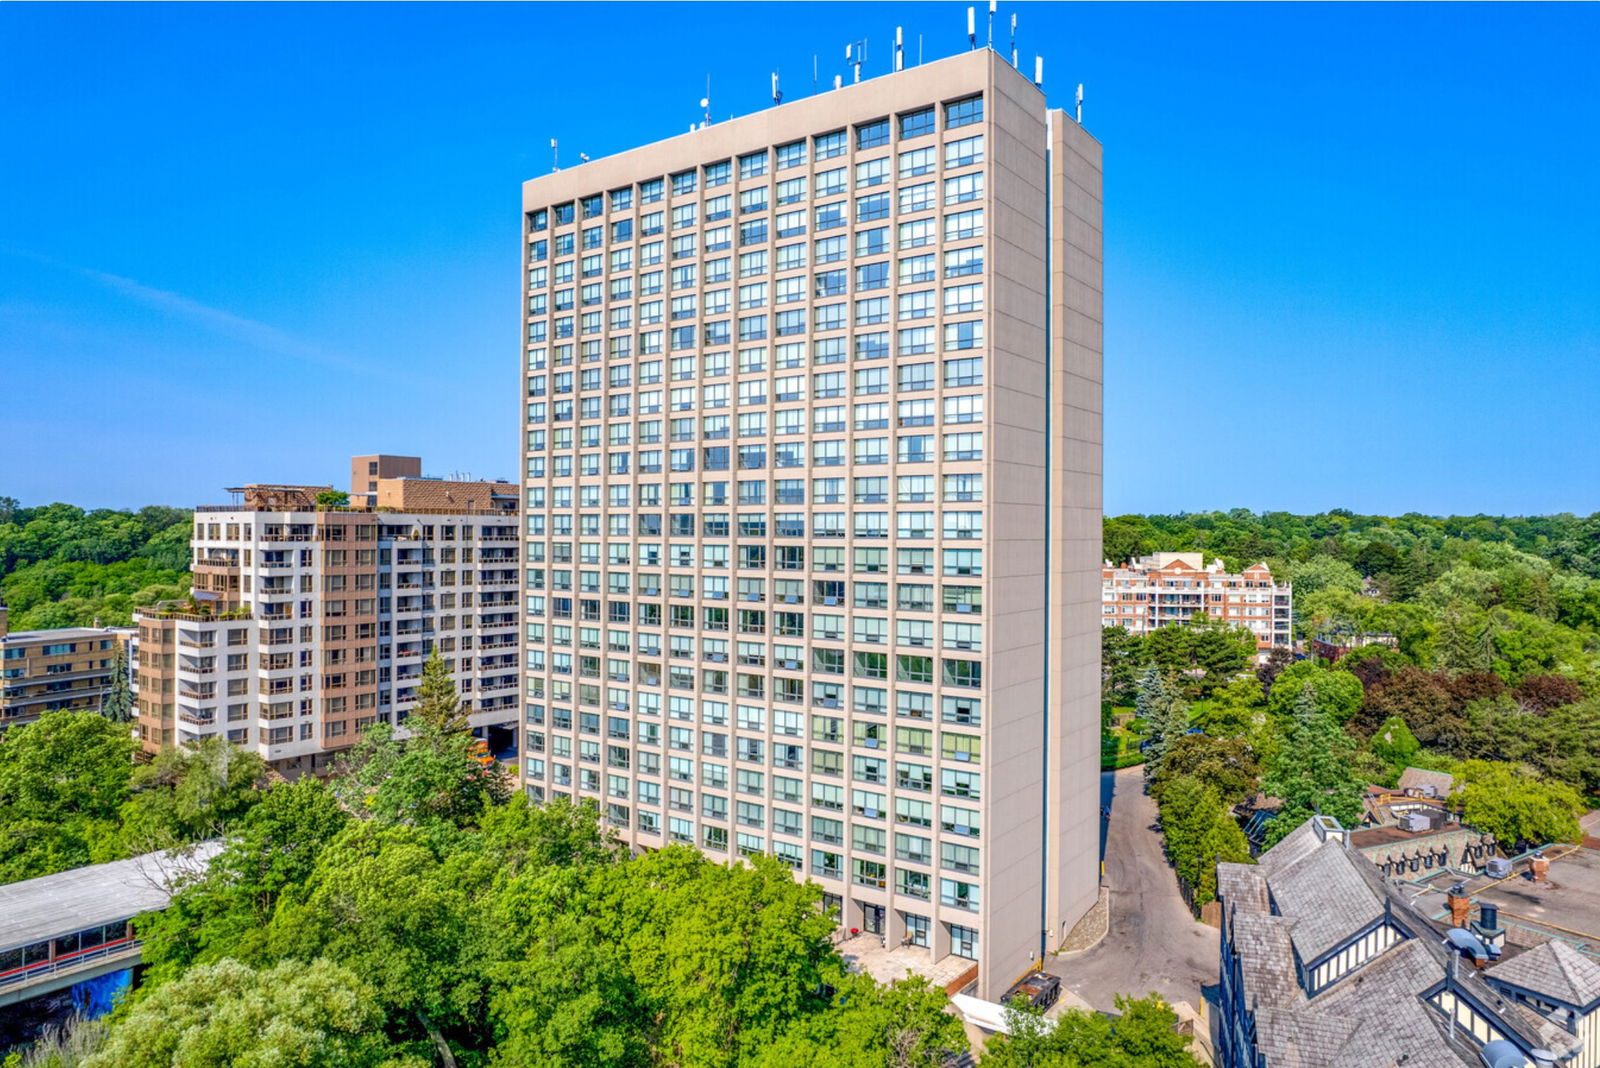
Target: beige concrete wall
pixel 1076 343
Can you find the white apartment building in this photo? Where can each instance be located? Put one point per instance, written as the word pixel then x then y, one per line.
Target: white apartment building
pixel 306 625
pixel 1166 588
pixel 812 501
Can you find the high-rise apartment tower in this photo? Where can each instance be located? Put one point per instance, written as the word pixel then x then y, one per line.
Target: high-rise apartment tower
pixel 813 453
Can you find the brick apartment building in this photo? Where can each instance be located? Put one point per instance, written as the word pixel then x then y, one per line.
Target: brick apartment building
pixel 1165 588
pixel 66 669
pixel 308 623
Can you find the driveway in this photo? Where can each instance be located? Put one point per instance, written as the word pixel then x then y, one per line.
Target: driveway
pixel 1153 943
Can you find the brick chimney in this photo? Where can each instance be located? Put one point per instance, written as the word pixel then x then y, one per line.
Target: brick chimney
pixel 1460 905
pixel 1539 865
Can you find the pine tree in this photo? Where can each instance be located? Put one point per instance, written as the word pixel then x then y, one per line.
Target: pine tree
pixel 1165 714
pixel 118 703
pixel 1311 770
pixel 438 705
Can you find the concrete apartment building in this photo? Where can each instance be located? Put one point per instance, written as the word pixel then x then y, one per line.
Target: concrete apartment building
pixel 1165 588
pixel 307 624
pixel 813 461
pixel 67 669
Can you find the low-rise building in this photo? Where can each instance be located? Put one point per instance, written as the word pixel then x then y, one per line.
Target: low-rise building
pixel 1167 588
pixel 70 668
pixel 308 623
pixel 1325 962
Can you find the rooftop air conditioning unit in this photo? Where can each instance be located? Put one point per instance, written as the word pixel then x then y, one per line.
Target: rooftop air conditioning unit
pixel 1497 868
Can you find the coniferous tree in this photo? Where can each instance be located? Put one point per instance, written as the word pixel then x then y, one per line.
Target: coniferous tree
pixel 118 704
pixel 1311 771
pixel 438 704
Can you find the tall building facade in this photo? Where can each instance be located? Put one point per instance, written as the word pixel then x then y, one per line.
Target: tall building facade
pixel 813 452
pixel 1172 588
pixel 66 669
pixel 308 623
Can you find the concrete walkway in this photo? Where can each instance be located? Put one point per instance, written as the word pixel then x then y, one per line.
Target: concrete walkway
pixel 1153 943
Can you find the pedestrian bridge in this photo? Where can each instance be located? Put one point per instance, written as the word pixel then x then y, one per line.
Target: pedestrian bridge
pixel 58 930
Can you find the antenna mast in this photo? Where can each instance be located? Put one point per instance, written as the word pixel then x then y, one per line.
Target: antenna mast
pixel 1080 103
pixel 777 94
pixel 555 156
pixel 972 28
pixel 992 4
pixel 1013 39
pixel 856 54
pixel 705 103
pixel 899 51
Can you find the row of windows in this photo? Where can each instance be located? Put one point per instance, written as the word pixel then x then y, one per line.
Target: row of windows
pixel 956 372
pixel 919 304
pixel 911 270
pixel 861 664
pixel 870 415
pixel 911 234
pixel 869 135
pixel 911 199
pixel 904 449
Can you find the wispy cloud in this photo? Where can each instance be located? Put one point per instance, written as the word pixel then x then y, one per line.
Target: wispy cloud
pixel 259 335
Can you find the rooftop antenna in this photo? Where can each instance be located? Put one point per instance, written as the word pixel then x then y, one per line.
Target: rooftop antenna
pixel 856 54
pixel 972 27
pixel 813 73
pixel 1038 71
pixel 992 4
pixel 1013 39
pixel 555 156
pixel 1080 103
pixel 583 157
pixel 899 51
pixel 919 49
pixel 838 81
pixel 705 104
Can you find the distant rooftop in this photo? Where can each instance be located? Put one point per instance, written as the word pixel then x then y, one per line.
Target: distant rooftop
pixel 36 909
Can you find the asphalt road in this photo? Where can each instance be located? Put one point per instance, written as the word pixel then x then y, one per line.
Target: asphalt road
pixel 1153 944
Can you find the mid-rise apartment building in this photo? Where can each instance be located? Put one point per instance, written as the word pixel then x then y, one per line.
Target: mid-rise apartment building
pixel 66 669
pixel 813 454
pixel 1166 588
pixel 308 623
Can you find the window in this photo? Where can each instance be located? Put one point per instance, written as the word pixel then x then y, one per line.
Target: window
pixel 917 305
pixel 717 173
pixel 683 183
pixel 916 123
pixel 920 232
pixel 829 145
pixel 963 298
pixel 791 191
pixel 872 208
pixel 962 225
pixel 753 164
pixel 963 336
pixel 872 172
pixel 871 134
pixel 964 372
pixel 918 162
pixel 964 153
pixel 963 261
pixel 914 198
pixel 792 154
pixel 963 188
pixel 963 112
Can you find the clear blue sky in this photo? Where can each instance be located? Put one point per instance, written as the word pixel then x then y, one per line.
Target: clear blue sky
pixel 1353 252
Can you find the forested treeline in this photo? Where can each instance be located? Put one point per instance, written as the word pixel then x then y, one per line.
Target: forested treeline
pixel 1484 661
pixel 61 566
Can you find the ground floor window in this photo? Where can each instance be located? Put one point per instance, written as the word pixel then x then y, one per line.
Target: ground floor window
pixel 916 929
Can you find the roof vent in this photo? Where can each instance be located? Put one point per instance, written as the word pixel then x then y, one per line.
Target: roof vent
pixel 1501 1053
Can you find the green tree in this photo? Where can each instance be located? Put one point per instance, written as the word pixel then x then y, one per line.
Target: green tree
pixel 1165 714
pixel 1500 799
pixel 1226 766
pixel 904 1024
pixel 1121 656
pixel 432 776
pixel 62 780
pixel 438 705
pixel 227 1015
pixel 118 704
pixel 1233 711
pixel 1338 694
pixel 332 498
pixel 1322 573
pixel 1310 768
pixel 189 793
pixel 1144 1035
pixel 1394 744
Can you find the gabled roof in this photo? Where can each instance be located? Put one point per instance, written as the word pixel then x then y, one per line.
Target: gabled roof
pixel 1554 970
pixel 1344 903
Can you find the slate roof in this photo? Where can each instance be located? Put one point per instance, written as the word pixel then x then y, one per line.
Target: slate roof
pixel 1555 970
pixel 1321 893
